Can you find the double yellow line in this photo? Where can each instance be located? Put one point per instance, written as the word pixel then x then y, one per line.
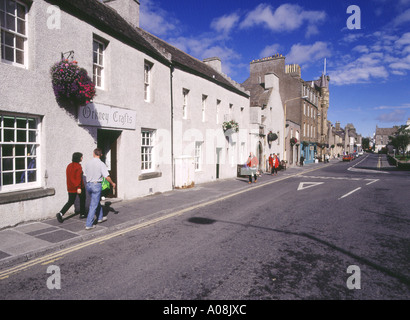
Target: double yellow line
pixel 49 258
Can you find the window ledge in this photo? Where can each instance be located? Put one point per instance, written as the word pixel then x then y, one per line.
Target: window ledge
pixel 18 196
pixel 150 175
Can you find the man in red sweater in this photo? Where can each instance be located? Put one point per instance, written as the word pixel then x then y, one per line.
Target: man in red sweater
pixel 75 186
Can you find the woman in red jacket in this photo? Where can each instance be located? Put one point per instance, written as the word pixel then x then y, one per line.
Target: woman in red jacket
pixel 75 186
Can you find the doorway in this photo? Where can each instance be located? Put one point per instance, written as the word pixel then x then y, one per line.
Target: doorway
pixel 260 156
pixel 218 161
pixel 107 141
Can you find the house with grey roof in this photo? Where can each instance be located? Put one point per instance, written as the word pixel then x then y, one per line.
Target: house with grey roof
pixel 381 137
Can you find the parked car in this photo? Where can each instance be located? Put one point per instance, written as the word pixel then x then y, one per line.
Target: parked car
pixel 347 157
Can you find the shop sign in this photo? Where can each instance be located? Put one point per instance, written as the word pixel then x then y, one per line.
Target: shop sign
pixel 104 116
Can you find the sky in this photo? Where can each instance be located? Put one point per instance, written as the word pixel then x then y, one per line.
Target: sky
pixel 364 48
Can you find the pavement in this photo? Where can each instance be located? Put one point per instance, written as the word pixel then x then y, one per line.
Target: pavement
pixel 30 240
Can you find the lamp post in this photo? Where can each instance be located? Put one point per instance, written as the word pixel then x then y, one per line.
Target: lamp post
pixel 285 135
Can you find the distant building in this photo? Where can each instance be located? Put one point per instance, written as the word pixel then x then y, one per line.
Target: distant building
pixel 381 137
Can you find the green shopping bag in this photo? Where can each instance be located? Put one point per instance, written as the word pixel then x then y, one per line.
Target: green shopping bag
pixel 105 184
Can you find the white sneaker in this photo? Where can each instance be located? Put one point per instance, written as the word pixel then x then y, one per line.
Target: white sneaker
pixel 89 228
pixel 103 219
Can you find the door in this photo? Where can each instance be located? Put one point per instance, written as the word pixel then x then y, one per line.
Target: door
pixel 107 141
pixel 218 160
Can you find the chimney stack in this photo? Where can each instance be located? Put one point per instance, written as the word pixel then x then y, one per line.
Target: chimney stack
pixel 128 9
pixel 215 63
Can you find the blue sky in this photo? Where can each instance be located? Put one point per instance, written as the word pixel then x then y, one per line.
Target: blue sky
pixel 367 50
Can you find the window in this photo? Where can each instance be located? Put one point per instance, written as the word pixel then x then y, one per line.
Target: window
pixel 185 103
pixel 13 31
pixel 147 147
pixel 147 80
pixel 98 63
pixel 204 107
pixel 19 145
pixel 198 155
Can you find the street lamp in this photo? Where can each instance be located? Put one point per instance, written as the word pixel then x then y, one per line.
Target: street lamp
pixel 285 135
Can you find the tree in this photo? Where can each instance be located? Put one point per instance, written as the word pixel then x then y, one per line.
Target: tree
pixel 401 139
pixel 365 143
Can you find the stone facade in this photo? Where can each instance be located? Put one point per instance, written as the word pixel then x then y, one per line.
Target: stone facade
pixel 142 83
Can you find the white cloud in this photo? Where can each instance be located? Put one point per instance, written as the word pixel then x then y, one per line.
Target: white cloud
pixel 362 70
pixel 287 17
pixel 402 18
pixel 302 54
pixel 404 106
pixel 225 23
pixel 361 49
pixel 393 116
pixel 156 20
pixel 270 50
pixel 207 46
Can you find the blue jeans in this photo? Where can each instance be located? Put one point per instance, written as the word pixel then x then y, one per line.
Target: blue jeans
pixel 94 190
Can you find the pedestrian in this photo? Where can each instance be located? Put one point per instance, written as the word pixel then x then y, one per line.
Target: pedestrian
pixel 95 170
pixel 275 164
pixel 253 165
pixel 271 164
pixel 75 186
pixel 302 160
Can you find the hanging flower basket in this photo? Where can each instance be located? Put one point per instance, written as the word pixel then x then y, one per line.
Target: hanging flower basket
pixel 71 84
pixel 293 141
pixel 230 126
pixel 272 136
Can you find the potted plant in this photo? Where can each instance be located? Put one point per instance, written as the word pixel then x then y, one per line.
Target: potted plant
pixel 71 84
pixel 232 126
pixel 272 136
pixel 293 141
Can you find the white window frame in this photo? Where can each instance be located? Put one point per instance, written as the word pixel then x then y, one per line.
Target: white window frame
pixel 98 65
pixel 147 150
pixel 198 155
pixel 185 93
pixel 22 47
pixel 147 80
pixel 20 153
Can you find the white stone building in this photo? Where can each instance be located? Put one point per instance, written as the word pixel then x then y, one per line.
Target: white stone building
pixel 136 116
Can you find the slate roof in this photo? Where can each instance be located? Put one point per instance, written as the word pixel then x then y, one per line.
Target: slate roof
pixel 259 96
pixel 111 22
pixel 190 64
pixel 385 131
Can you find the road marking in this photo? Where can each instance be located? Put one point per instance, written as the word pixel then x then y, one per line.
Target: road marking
pixel 352 168
pixel 367 170
pixel 348 194
pixel 372 181
pixel 60 254
pixel 302 185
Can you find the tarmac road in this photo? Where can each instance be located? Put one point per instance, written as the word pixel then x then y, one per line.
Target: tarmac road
pixel 331 233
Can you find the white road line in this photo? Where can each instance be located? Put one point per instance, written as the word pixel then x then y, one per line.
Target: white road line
pixel 372 181
pixel 348 194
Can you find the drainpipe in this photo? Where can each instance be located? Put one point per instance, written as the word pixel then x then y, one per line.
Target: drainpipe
pixel 171 71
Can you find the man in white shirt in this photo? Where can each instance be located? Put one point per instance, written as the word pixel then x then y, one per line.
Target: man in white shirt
pixel 95 170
